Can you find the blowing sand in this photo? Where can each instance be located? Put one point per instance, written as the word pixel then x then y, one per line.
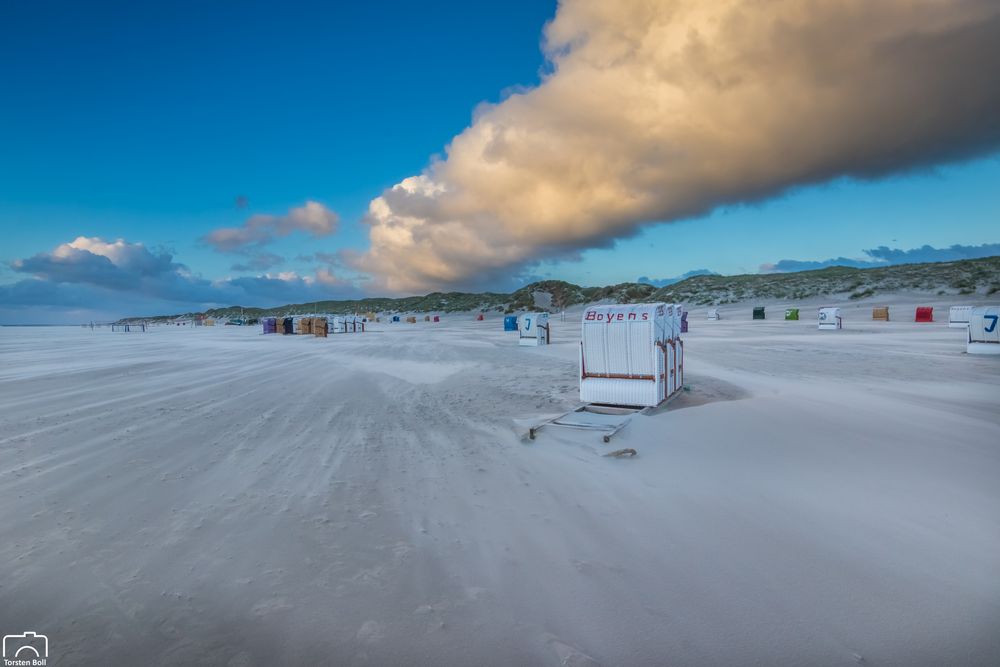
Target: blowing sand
pixel 215 496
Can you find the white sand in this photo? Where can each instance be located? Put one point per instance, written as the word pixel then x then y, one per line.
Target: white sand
pixel 215 496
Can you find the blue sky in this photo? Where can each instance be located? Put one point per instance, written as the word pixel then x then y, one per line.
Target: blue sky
pixel 954 204
pixel 145 122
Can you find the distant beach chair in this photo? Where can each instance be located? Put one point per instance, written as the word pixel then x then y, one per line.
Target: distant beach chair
pixel 958 316
pixel 829 319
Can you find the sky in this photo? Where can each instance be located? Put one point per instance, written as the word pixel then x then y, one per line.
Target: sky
pixel 166 157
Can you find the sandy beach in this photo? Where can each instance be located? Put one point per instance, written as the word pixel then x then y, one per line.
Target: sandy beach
pixel 219 497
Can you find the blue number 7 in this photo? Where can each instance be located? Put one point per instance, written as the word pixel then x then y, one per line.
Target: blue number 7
pixel 527 323
pixel 993 322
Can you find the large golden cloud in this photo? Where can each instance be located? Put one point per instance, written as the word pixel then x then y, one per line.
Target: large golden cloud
pixel 658 110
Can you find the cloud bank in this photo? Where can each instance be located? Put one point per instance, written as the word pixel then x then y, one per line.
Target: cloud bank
pixel 884 256
pixel 115 266
pixel 91 277
pixel 663 282
pixel 312 218
pixel 259 262
pixel 657 111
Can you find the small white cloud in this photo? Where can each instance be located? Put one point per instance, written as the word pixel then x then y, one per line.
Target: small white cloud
pixel 312 218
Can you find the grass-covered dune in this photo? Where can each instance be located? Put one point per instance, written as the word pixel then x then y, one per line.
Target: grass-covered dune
pixel 965 277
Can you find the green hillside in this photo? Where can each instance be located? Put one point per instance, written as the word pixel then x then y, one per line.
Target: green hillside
pixel 966 277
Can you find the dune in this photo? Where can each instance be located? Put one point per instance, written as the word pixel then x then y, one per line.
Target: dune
pixel 216 496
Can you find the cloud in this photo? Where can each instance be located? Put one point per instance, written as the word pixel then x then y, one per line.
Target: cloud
pixel 286 287
pixel 884 256
pixel 326 277
pixel 658 111
pixel 663 282
pixel 259 262
pixel 328 258
pixel 43 292
pixel 793 265
pixel 928 253
pixel 90 275
pixel 116 265
pixel 37 301
pixel 312 218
